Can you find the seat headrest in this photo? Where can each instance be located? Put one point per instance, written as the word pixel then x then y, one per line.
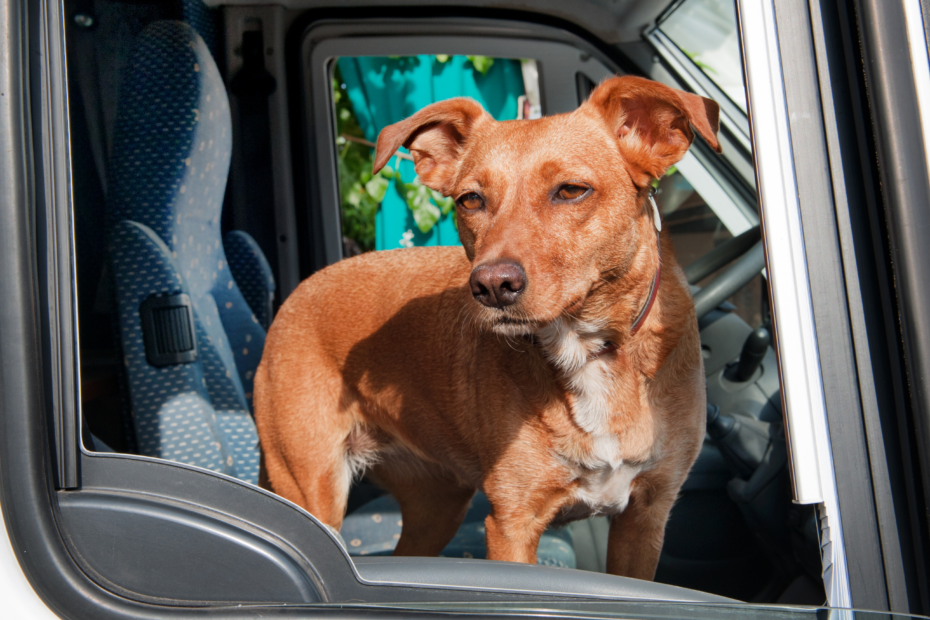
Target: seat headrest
pixel 172 137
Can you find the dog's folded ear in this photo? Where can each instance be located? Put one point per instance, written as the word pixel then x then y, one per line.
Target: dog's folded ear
pixel 435 137
pixel 653 122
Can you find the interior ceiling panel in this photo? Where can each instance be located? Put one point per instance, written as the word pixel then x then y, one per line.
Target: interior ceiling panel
pixel 612 21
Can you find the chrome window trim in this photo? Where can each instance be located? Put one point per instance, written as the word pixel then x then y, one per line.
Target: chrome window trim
pixel 812 472
pixel 920 64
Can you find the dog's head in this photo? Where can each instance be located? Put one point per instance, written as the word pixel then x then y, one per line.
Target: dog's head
pixel 545 208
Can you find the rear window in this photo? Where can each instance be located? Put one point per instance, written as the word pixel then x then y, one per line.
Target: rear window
pixel 392 209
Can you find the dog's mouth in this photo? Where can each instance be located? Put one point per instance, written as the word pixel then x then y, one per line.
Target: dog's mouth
pixel 513 326
pixel 509 325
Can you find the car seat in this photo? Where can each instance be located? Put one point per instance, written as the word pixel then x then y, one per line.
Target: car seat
pixel 190 340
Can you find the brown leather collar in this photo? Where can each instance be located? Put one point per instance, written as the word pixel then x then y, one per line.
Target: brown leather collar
pixel 610 347
pixel 653 291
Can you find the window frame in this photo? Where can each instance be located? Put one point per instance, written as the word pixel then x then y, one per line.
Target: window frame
pixel 30 347
pixel 827 184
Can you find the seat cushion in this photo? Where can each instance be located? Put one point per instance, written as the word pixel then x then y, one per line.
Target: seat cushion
pixel 374 529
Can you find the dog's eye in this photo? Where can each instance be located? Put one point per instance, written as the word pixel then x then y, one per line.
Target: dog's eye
pixel 471 201
pixel 570 192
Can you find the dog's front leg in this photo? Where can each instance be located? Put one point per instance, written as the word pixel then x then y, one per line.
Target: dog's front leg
pixel 513 538
pixel 518 520
pixel 636 534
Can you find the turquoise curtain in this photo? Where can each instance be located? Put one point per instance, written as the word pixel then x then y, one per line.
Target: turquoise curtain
pixel 385 90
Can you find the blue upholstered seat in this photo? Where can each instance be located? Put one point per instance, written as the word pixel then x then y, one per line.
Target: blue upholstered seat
pixel 170 160
pixel 374 529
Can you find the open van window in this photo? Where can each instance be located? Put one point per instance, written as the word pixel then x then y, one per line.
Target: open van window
pixel 194 163
pixel 192 313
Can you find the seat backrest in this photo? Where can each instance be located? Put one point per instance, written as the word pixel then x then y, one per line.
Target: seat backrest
pixel 205 21
pixel 170 160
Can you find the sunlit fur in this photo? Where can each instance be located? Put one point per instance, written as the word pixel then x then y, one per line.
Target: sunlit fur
pixel 386 363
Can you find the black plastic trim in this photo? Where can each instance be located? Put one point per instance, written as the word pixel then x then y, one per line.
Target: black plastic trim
pixel 863 241
pixel 903 168
pixel 55 259
pixel 136 486
pixel 901 158
pixel 831 313
pixel 489 576
pixel 191 555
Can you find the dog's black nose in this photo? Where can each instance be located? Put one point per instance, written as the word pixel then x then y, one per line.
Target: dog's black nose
pixel 498 284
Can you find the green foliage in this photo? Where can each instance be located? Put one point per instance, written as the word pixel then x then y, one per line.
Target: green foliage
pixel 672 170
pixel 481 64
pixel 362 192
pixel 703 66
pixel 427 205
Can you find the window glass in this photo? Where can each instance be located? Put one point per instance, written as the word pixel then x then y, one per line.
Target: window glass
pixel 696 226
pixel 706 31
pixel 392 209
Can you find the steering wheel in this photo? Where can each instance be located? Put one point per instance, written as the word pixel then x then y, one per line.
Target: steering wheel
pixel 747 249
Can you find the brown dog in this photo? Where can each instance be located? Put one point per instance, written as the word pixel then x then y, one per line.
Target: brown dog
pixel 553 362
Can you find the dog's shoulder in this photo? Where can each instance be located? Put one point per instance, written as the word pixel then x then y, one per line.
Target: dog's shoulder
pixel 432 258
pixel 376 285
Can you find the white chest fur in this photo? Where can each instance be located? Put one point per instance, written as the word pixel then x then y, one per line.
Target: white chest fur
pixel 604 490
pixel 602 475
pixel 570 345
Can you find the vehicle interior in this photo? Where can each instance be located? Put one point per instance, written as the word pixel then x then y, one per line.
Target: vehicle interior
pixel 221 154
